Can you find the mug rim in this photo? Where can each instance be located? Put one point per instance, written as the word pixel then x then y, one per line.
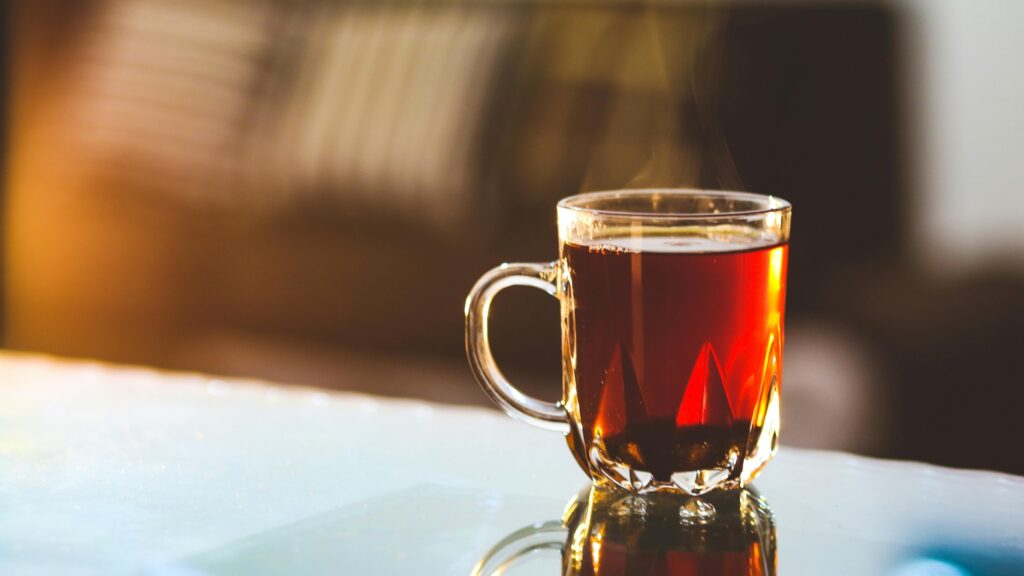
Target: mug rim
pixel 578 203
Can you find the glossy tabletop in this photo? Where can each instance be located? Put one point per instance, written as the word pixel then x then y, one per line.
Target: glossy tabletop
pixel 112 470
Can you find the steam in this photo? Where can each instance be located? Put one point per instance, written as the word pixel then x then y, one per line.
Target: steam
pixel 665 105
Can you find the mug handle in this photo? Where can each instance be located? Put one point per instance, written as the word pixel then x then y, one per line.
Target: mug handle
pixel 548 415
pixel 523 542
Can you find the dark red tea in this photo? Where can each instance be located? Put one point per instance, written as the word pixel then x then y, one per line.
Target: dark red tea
pixel 677 342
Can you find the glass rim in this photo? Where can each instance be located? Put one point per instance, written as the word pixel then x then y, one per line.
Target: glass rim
pixel 578 203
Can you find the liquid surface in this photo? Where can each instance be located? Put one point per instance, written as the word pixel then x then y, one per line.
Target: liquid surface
pixel 728 242
pixel 677 348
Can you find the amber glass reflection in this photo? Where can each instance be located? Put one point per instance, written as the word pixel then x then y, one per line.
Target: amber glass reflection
pixel 614 533
pixel 606 531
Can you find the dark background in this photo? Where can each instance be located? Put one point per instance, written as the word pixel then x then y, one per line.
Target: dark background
pixel 305 191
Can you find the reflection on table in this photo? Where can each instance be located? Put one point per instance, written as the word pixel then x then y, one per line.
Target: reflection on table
pixel 608 532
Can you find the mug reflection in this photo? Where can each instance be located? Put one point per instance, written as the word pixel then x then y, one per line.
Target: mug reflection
pixel 608 532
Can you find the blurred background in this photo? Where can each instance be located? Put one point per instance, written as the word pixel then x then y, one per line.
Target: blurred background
pixel 305 190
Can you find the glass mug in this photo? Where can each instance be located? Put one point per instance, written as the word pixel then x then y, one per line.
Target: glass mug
pixel 672 305
pixel 607 532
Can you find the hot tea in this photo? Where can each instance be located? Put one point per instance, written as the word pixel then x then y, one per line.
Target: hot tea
pixel 676 357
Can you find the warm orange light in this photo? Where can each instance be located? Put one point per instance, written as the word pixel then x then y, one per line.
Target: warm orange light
pixel 595 551
pixel 775 271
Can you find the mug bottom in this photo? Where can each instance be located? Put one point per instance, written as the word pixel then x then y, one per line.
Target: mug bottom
pixel 651 455
pixel 605 469
pixel 729 462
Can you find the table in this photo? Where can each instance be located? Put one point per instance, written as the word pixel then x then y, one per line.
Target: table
pixel 120 470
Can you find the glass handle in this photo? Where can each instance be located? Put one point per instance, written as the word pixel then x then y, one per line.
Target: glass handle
pixel 523 542
pixel 551 416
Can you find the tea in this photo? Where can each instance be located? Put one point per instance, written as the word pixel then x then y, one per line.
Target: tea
pixel 676 357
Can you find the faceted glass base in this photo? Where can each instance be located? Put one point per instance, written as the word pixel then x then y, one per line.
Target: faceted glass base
pixel 691 461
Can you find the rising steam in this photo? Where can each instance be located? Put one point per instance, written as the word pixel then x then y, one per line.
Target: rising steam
pixel 664 103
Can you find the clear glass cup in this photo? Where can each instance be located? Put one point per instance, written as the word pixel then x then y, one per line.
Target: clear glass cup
pixel 672 306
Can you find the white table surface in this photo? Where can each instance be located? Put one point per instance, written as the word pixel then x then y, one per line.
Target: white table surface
pixel 114 470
